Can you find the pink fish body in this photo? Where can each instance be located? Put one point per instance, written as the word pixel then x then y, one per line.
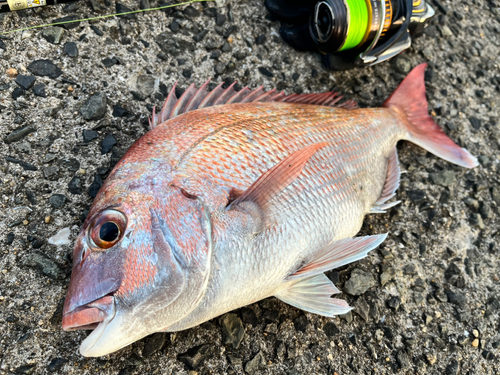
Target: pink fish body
pixel 236 197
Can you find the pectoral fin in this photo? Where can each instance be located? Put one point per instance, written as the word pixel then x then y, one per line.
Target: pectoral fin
pixel 312 294
pixel 276 179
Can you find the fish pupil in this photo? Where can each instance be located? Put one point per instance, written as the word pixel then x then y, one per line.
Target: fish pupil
pixel 109 232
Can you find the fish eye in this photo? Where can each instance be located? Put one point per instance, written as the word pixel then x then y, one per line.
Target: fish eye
pixel 107 229
pixel 109 232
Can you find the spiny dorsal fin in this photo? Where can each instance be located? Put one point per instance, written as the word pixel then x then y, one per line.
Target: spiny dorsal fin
pixel 194 98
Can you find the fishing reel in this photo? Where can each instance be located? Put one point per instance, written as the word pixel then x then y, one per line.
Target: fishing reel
pixel 351 33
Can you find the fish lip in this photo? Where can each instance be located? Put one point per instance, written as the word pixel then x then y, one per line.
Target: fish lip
pixel 89 316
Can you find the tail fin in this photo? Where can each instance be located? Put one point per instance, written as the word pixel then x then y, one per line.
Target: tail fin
pixel 409 98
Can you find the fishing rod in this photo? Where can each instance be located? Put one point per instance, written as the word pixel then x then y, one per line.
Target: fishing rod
pixel 15 5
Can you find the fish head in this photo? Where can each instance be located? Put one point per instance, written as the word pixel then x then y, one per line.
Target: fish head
pixel 141 263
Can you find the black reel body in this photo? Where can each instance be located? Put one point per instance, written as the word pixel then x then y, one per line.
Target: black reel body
pixel 350 33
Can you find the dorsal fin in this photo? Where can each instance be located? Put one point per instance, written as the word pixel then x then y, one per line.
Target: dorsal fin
pixel 194 98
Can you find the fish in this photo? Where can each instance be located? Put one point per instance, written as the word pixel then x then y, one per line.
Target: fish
pixel 236 196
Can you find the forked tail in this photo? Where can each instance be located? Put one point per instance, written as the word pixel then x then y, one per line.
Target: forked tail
pixel 409 100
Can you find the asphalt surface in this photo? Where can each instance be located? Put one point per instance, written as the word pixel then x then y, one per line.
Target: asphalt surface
pixel 427 301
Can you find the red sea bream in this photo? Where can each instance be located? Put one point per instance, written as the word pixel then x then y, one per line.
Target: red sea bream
pixel 234 197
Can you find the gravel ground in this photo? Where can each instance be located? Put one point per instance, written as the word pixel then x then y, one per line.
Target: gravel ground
pixel 427 301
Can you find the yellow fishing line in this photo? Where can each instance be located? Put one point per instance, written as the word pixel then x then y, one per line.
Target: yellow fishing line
pixel 105 16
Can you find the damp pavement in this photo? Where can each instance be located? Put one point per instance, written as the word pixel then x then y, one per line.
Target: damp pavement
pixel 74 98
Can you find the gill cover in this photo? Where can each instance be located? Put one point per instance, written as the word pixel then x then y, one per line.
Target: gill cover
pixel 174 240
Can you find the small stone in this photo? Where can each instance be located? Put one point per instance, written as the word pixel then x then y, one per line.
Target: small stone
pixel 232 330
pixel 394 302
pixel 191 11
pixel 428 318
pixel 25 369
pixel 431 358
pixel 119 111
pixel 416 196
pixel 264 71
pixel 11 72
pixel 300 323
pixel 256 363
pixel 261 39
pixel 51 172
pixel 3 45
pixel 362 308
pixel 48 219
pixel 95 107
pixel 144 4
pixel 402 65
pixel 53 34
pixel 488 355
pixel 443 178
pixel 200 36
pixel 220 19
pixel 69 25
pixel 56 364
pixel 155 343
pixel 71 49
pixel 476 220
pixel 249 317
pixel 120 8
pixel 455 298
pixel 475 343
pixel 145 85
pixel 359 282
pixel 331 329
pixel 387 275
pixel 39 90
pixel 220 68
pixel 44 68
pixel 108 62
pixel 89 135
pixel 403 359
pixel 195 356
pixel 475 122
pixel 19 133
pixel 25 82
pixel 10 238
pixel 74 186
pixel 97 31
pixel 45 265
pixel 17 93
pixel 96 186
pixel 57 200
pixel 452 368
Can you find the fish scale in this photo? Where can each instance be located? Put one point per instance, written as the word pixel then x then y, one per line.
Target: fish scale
pixel 219 207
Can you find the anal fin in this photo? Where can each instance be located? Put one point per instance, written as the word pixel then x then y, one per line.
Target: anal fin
pixel 390 187
pixel 309 289
pixel 313 294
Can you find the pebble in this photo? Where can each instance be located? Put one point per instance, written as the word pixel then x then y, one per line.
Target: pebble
pixel 95 107
pixel 11 72
pixel 53 34
pixel 475 343
pixel 25 369
pixel 74 186
pixel 44 68
pixel 172 46
pixel 154 344
pixel 443 178
pixel 403 359
pixel 2 45
pixel 89 135
pixel 43 264
pixel 107 143
pixel 232 330
pixel 387 275
pixel 97 31
pixel 119 111
pixel 488 355
pixel 195 356
pixel 23 164
pixel 394 302
pixel 51 172
pixel 120 8
pixel 264 71
pixel 19 133
pixel 359 282
pixel 416 196
pixel 108 62
pixel 300 323
pixel 362 308
pixel 220 19
pixel 475 122
pixel 39 90
pixel 57 200
pixel 25 82
pixel 145 85
pixel 56 364
pixel 71 49
pixel 331 329
pixel 256 363
pixel 95 186
pixel 248 316
pixel 17 93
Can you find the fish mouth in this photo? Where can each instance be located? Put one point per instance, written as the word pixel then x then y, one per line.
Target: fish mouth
pixel 89 316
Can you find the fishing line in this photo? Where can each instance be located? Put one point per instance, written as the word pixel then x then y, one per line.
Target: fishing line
pixel 106 16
